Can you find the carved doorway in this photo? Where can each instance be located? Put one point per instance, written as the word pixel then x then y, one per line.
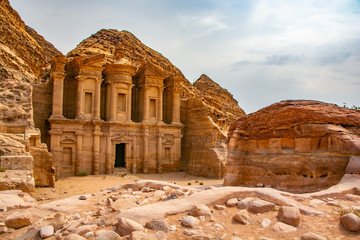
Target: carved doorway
pixel 120 156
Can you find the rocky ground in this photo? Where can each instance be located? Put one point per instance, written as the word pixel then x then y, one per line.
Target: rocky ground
pixel 151 209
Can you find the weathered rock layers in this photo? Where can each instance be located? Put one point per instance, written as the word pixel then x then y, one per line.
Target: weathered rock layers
pixel 24 56
pixel 296 146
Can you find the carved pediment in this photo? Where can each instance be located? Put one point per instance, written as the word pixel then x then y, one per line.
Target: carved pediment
pixel 68 141
pixel 121 137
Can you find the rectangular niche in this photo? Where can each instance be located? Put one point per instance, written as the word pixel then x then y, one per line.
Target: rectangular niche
pixel 121 107
pixel 152 108
pixel 88 103
pixel 67 156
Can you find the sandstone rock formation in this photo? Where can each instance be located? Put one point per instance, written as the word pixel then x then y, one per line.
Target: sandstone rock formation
pixel 24 58
pixel 297 146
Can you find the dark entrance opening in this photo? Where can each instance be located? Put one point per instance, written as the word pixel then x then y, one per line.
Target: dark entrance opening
pixel 120 155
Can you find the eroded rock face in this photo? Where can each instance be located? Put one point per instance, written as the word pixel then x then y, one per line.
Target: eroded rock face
pixel 24 58
pixel 296 146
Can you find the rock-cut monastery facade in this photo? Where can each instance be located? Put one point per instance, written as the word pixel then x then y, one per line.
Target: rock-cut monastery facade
pixel 113 115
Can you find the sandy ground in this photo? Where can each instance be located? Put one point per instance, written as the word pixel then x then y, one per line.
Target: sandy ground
pixel 68 187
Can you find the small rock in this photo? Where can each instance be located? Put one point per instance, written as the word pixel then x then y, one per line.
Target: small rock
pixel 190 232
pixel 126 226
pixel 74 237
pixel 159 225
pixel 30 234
pixel 235 238
pixel 282 227
pixel 219 207
pixel 312 236
pixel 350 222
pixel 160 235
pixel 172 228
pixel 108 235
pixel 83 197
pixel 89 235
pixel 46 231
pixel 84 229
pixel 218 227
pixel 260 185
pixel 352 197
pixel 18 220
pixel 260 206
pixel 242 217
pixel 289 215
pixel 315 202
pixel 190 221
pixel 200 237
pixel 199 210
pixel 334 203
pixel 265 222
pixel 138 235
pixel 244 203
pixel 231 202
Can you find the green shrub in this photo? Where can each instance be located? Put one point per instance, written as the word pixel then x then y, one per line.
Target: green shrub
pixel 2 169
pixel 343 211
pixel 201 183
pixel 189 183
pixel 82 174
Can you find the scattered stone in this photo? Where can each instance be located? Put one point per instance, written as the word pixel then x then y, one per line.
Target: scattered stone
pixel 159 225
pixel 282 227
pixel 312 236
pixel 260 185
pixel 46 231
pixel 139 235
pixel 200 237
pixel 19 219
pixel 260 206
pixel 231 202
pixel 74 237
pixel 172 228
pixel 160 235
pixel 289 215
pixel 122 203
pixel 84 229
pixel 350 222
pixel 315 202
pixel 190 221
pixel 242 217
pixel 190 232
pixel 89 235
pixel 199 210
pixel 108 235
pixel 219 207
pixel 126 226
pixel 218 227
pixel 83 197
pixel 352 197
pixel 265 222
pixel 32 233
pixel 244 203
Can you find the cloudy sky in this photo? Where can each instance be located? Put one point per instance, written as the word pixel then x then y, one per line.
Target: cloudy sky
pixel 262 51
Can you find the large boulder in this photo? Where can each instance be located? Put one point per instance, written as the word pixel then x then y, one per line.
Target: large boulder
pixel 298 146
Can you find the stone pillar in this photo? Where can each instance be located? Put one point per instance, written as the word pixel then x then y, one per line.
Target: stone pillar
pixel 146 104
pixel 128 107
pixel 96 150
pixel 160 105
pixel 96 115
pixel 113 102
pixel 56 150
pixel 159 153
pixel 108 154
pixel 79 139
pixel 177 151
pixel 58 92
pixel 176 107
pixel 146 150
pixel 79 107
pixel 133 170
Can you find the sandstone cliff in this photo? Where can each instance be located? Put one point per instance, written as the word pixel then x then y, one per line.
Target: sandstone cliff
pixel 295 146
pixel 24 57
pixel 207 110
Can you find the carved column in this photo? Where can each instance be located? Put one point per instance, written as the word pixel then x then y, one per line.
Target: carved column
pixel 96 150
pixel 146 104
pixel 113 103
pixel 79 140
pixel 108 154
pixel 97 100
pixel 177 154
pixel 159 153
pixel 128 103
pixel 160 105
pixel 79 107
pixel 176 106
pixel 133 170
pixel 146 150
pixel 58 91
pixel 56 150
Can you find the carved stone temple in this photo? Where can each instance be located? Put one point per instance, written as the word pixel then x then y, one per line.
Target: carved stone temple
pixel 113 115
